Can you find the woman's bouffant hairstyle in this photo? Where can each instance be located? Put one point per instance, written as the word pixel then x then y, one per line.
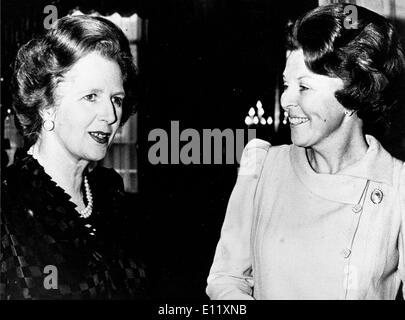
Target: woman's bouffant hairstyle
pixel 42 63
pixel 366 54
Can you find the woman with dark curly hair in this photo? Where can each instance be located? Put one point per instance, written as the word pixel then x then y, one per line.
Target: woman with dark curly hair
pixel 63 224
pixel 323 218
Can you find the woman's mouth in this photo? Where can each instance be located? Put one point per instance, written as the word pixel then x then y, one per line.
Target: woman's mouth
pixel 100 137
pixel 295 121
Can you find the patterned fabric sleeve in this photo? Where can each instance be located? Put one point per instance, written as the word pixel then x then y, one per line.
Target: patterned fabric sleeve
pixel 130 268
pixel 3 266
pixel 7 249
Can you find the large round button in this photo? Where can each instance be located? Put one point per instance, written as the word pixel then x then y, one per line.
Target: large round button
pixel 376 196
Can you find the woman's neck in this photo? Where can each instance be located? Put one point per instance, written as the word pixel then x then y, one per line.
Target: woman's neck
pixel 337 154
pixel 62 167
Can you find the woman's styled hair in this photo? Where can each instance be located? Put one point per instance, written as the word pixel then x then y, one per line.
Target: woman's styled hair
pixel 42 63
pixel 366 54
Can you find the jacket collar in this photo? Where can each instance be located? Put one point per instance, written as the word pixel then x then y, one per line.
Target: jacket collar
pixel 345 186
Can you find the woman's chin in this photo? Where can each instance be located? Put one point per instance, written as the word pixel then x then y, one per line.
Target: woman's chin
pixel 96 152
pixel 95 156
pixel 298 144
pixel 300 141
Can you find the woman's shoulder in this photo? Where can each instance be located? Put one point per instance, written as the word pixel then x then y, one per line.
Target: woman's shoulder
pixel 258 153
pixel 260 144
pixel 383 164
pixel 14 171
pixel 16 180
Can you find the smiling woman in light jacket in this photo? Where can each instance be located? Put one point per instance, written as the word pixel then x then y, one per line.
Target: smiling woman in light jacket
pixel 323 218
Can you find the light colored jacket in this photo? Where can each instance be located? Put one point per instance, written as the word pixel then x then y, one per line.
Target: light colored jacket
pixel 291 233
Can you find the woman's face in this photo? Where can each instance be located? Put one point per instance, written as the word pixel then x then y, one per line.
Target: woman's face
pixel 89 107
pixel 314 114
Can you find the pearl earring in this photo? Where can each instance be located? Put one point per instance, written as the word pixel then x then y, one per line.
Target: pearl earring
pixel 349 112
pixel 48 125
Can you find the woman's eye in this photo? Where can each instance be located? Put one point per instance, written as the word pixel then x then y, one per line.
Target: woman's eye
pixel 91 97
pixel 303 88
pixel 285 86
pixel 117 101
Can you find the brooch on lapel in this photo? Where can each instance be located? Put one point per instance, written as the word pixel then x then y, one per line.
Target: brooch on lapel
pixel 376 196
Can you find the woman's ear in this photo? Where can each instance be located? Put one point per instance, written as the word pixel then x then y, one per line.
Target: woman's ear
pixel 47 113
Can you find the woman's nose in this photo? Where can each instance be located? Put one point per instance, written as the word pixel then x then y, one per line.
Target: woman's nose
pixel 288 99
pixel 108 112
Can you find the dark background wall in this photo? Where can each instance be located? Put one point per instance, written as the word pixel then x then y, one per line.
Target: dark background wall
pixel 205 63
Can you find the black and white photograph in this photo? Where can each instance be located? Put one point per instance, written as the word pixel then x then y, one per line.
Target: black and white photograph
pixel 166 152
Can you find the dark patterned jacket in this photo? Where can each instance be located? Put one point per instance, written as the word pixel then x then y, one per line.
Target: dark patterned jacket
pixel 49 252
